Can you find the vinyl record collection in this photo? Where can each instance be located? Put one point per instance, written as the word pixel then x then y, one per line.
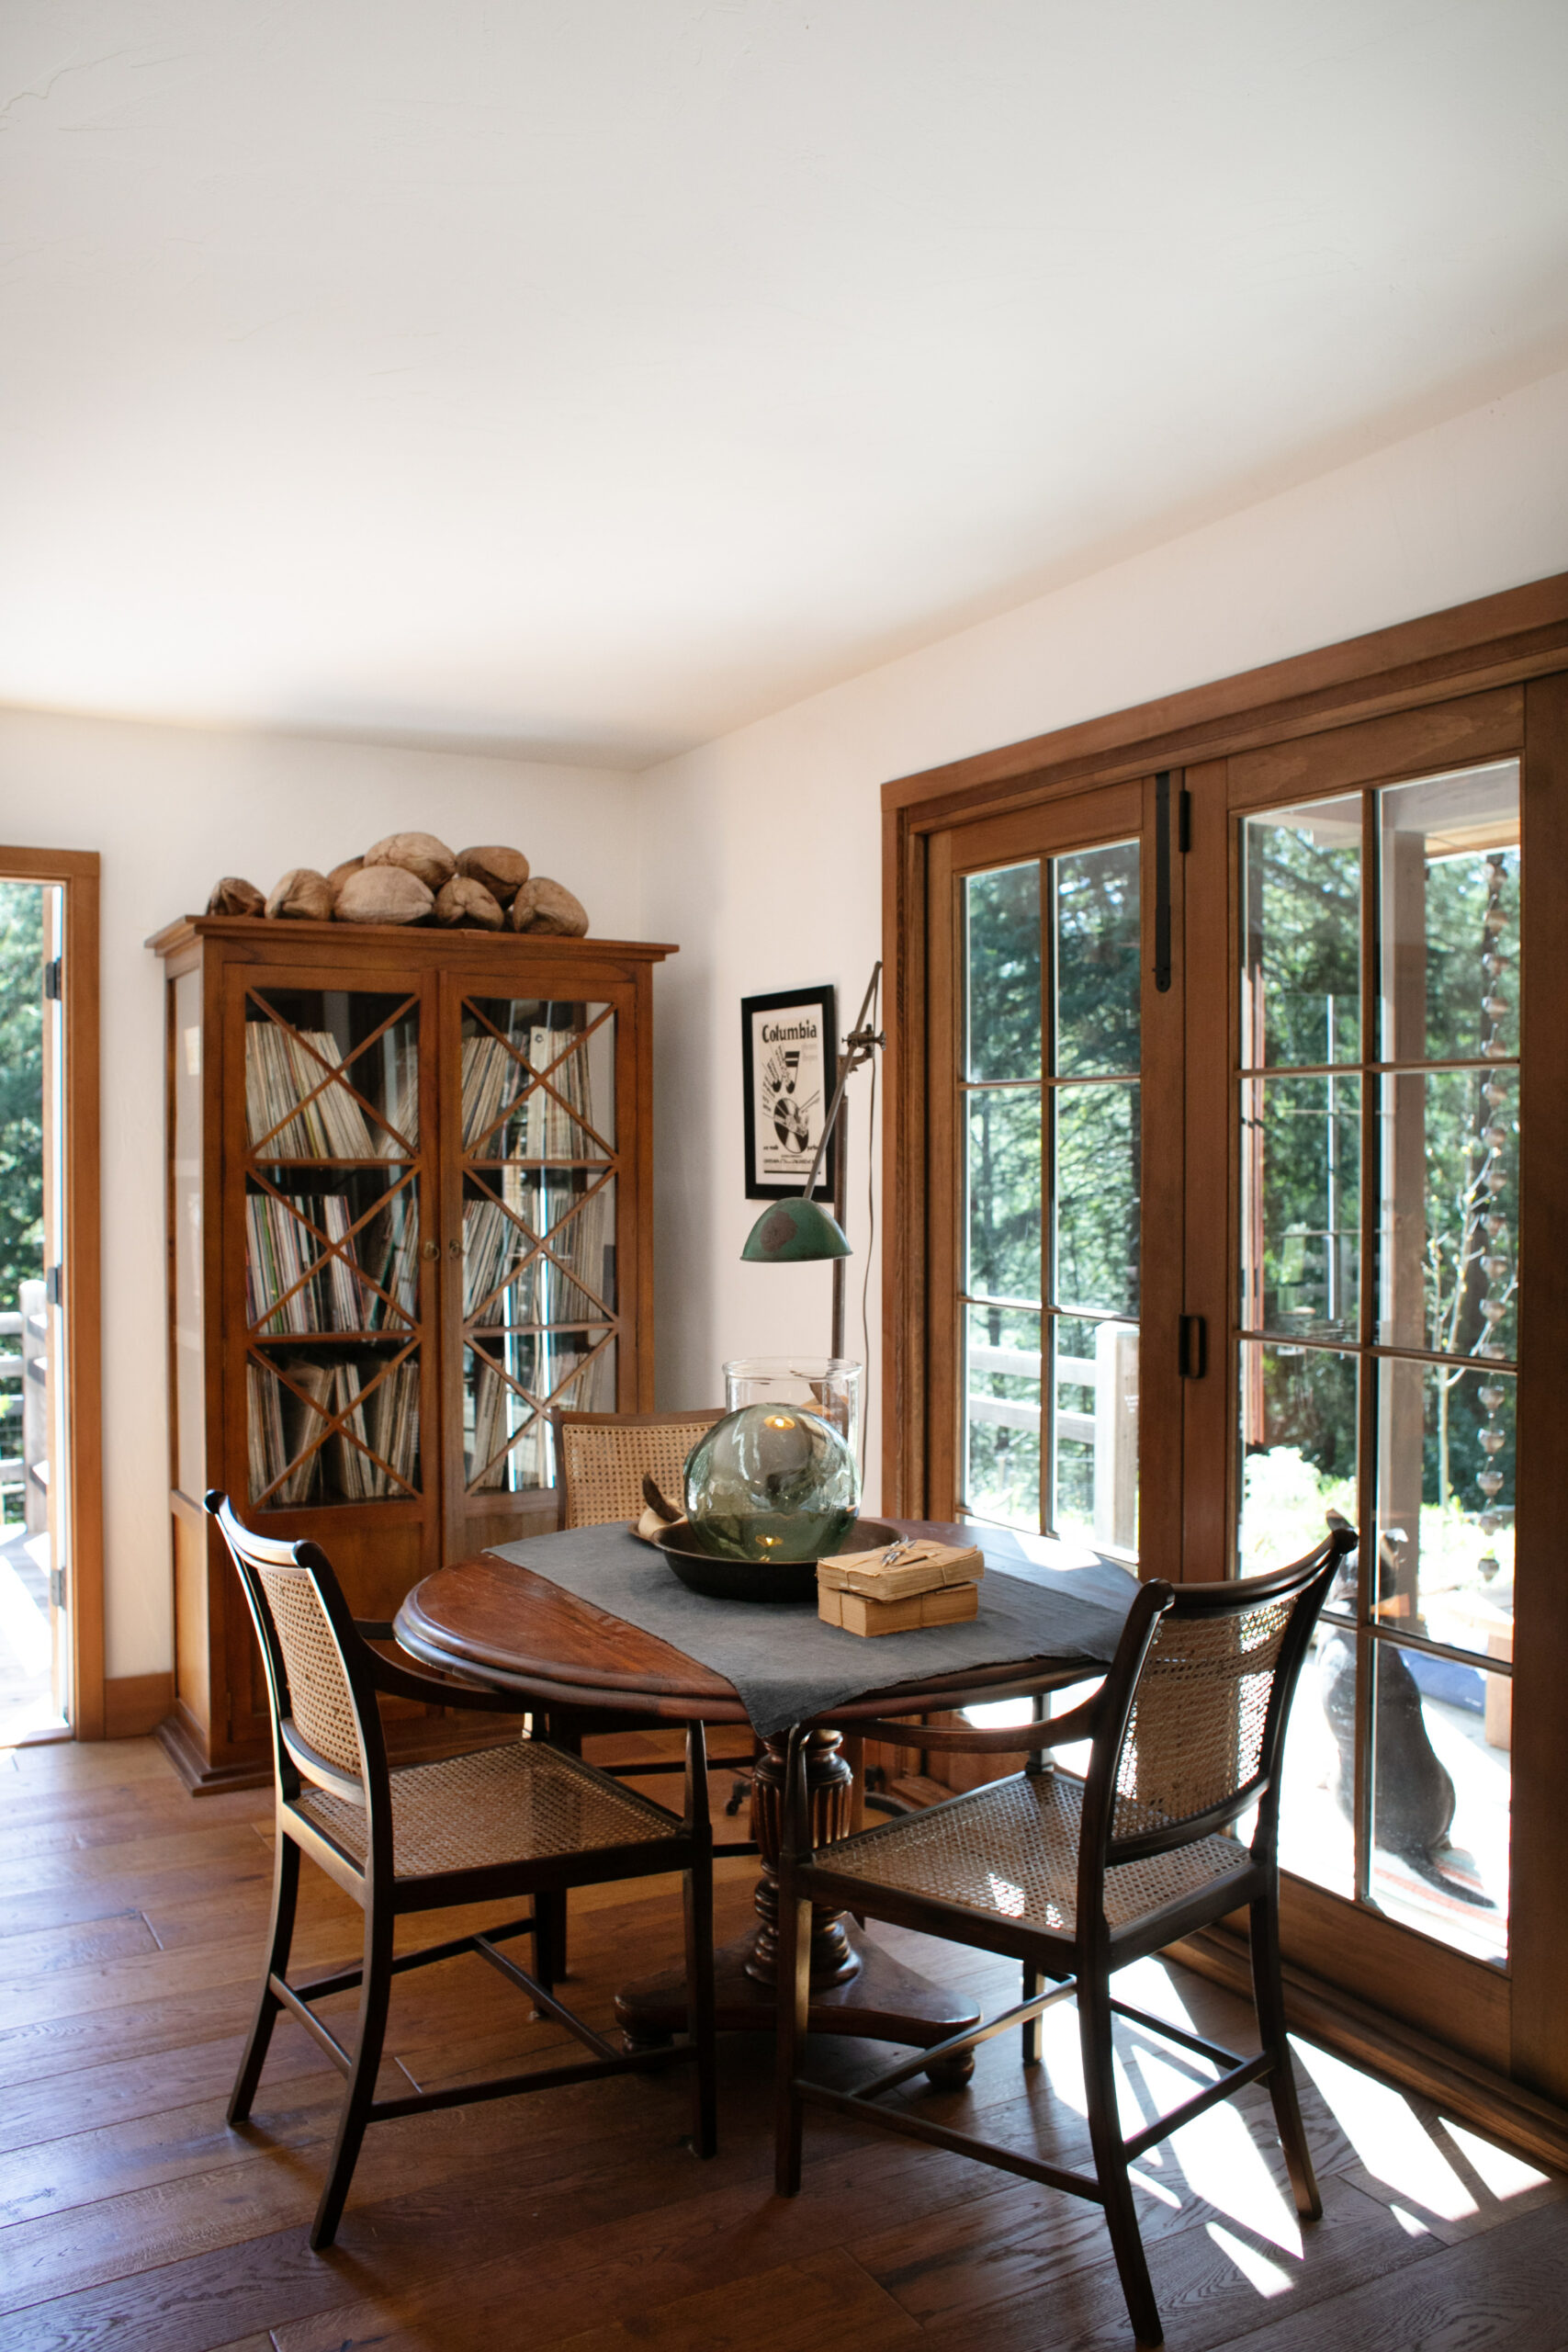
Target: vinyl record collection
pixel 538 1257
pixel 288 1409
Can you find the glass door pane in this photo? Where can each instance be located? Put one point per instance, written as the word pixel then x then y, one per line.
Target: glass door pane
pixel 541 1312
pixel 1052 1129
pixel 333 1246
pixel 1378 1109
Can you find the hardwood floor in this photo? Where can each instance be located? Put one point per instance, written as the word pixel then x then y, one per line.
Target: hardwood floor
pixel 130 1921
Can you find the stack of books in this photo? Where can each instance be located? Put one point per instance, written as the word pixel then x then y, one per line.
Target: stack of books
pixel 900 1587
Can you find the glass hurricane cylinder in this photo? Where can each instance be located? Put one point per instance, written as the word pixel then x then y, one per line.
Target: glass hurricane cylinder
pixel 829 1386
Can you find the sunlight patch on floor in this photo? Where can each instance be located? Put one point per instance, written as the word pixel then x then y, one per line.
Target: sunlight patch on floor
pixel 1268 2276
pixel 24 1628
pixel 1399 2148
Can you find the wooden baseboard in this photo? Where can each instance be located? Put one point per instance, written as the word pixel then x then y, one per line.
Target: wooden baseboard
pixel 1533 2127
pixel 135 1705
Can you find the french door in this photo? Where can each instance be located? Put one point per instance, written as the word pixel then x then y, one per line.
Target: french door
pixel 1237 1126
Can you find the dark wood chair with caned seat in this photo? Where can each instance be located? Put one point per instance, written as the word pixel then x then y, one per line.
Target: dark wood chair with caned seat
pixel 601 1459
pixel 1077 1879
pixel 495 1825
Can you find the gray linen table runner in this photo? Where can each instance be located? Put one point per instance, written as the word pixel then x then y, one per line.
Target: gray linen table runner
pixel 1038 1599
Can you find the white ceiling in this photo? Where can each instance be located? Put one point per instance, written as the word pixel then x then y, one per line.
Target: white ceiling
pixel 594 375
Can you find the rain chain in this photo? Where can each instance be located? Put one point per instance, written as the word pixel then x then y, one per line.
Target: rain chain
pixel 1492 1142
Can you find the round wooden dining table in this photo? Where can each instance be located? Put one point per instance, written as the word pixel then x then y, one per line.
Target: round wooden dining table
pixel 494 1620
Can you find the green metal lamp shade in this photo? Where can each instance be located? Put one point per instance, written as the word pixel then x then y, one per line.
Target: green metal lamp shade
pixel 791 1230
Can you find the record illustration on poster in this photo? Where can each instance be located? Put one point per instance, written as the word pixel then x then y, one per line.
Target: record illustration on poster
pixel 790 1050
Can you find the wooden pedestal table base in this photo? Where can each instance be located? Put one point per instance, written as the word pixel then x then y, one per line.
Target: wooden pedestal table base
pixel 856 1988
pixel 496 1622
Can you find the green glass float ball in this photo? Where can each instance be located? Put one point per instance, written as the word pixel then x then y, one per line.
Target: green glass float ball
pixel 771 1482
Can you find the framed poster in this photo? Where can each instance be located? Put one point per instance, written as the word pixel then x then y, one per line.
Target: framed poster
pixel 790 1045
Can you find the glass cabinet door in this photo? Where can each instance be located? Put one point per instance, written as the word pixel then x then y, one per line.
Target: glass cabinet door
pixel 332 1300
pixel 541 1310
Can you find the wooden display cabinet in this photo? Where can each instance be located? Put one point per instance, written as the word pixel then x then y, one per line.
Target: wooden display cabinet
pixel 408 1208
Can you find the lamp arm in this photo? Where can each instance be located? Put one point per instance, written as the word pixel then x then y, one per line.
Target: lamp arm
pixel 858 1046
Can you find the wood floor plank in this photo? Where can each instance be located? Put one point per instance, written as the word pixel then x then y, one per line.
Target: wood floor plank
pixel 83 1764
pixel 1213 2287
pixel 110 2160
pixel 718 2230
pixel 84 1943
pixel 70 1900
pixel 58 2046
pixel 1504 2291
pixel 34 2112
pixel 133 2220
pixel 162 1850
pixel 824 2298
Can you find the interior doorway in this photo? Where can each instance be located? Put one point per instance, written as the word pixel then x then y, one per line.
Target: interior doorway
pixel 50 1588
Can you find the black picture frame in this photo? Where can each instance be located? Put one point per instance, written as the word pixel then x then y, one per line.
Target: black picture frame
pixel 785 1105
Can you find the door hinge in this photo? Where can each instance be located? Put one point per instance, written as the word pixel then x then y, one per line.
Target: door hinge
pixel 1192 1346
pixel 1184 821
pixel 54 981
pixel 57 1587
pixel 54 1285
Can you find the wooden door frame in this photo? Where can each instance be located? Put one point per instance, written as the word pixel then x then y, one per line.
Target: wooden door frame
pixel 1233 741
pixel 1497 640
pixel 76 872
pixel 1082 820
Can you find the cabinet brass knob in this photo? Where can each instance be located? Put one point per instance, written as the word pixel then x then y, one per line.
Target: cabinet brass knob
pixel 455 1248
pixel 430 1249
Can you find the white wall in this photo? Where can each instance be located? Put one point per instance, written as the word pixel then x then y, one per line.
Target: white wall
pixel 169 811
pixel 762 850
pixel 760 855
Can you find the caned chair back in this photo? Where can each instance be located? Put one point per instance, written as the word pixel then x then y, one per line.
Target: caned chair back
pixel 602 1458
pixel 1206 1711
pixel 326 1725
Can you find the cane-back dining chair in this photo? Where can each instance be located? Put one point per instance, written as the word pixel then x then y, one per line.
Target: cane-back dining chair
pixel 494 1825
pixel 1078 1878
pixel 601 1459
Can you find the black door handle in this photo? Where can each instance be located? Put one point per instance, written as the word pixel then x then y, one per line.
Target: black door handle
pixel 1192 1346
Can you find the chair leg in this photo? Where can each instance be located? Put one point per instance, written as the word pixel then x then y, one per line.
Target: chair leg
pixel 550 1934
pixel 1269 1996
pixel 700 2004
pixel 565 1734
pixel 280 1935
pixel 1110 2161
pixel 793 1996
pixel 375 1993
pixel 1034 1986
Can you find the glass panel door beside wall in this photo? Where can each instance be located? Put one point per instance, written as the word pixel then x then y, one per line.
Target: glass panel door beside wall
pixel 1378 1130
pixel 35 1651
pixel 1049 1134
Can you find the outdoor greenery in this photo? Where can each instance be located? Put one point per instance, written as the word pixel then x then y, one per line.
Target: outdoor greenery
pixel 21 1086
pixel 1459 1201
pixel 21 1126
pixel 1448 918
pixel 1092 938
